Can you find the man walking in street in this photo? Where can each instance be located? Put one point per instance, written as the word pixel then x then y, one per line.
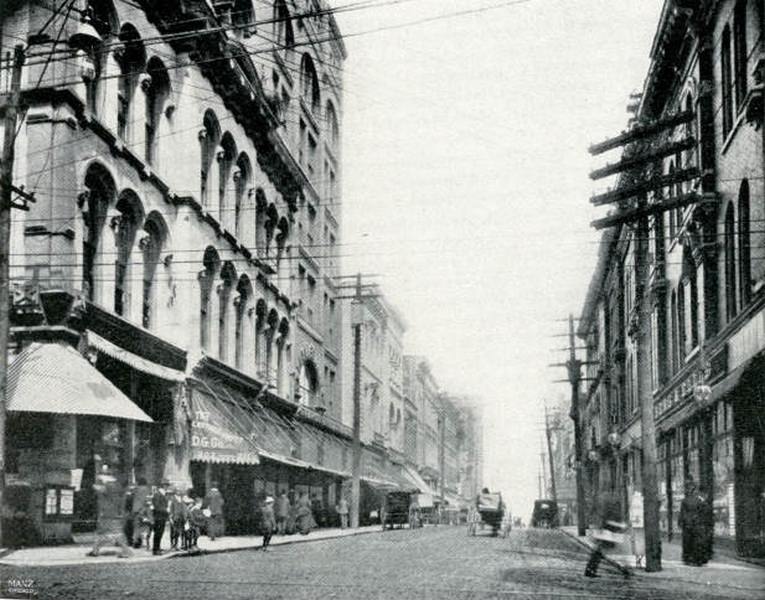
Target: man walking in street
pixel 110 521
pixel 160 504
pixel 611 532
pixel 282 512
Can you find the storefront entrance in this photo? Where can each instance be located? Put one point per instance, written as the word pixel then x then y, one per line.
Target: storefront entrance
pixel 749 459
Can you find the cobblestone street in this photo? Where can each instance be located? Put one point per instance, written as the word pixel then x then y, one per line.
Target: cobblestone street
pixel 425 563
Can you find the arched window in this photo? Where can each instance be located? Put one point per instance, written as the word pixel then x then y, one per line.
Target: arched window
pixel 675 332
pixel 744 245
pixel 152 244
pixel 260 340
pixel 94 203
pixel 126 226
pixel 209 136
pixel 228 280
pixel 673 225
pixel 333 129
pixel 689 290
pixel 309 383
pixel 726 81
pixel 243 18
pixel 309 83
pixel 242 176
pixel 271 221
pixel 211 264
pixel 730 262
pixel 283 31
pixel 241 306
pixel 226 158
pixel 740 52
pixel 157 89
pixel 691 131
pixel 270 333
pixel 281 343
pixel 261 204
pixel 131 58
pixel 104 20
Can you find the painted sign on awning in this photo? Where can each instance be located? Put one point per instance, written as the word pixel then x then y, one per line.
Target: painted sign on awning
pixel 216 434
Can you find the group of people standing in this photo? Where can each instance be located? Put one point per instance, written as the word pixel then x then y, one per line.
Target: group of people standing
pixel 139 516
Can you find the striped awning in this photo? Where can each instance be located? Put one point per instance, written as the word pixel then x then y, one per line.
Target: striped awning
pixel 137 362
pixel 55 378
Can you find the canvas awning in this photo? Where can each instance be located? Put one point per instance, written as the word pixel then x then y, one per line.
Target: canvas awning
pixel 55 378
pixel 414 477
pixel 137 362
pixel 216 434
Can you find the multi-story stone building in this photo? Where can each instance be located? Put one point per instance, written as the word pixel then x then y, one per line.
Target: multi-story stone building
pixel 175 313
pixel 706 277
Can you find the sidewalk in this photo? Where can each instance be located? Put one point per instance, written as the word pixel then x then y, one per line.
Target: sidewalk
pixel 74 554
pixel 724 569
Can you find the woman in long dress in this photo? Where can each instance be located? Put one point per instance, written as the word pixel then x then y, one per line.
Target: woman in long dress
pixel 304 516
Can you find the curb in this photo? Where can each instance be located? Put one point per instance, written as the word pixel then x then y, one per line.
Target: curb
pixel 625 570
pixel 167 555
pixel 287 542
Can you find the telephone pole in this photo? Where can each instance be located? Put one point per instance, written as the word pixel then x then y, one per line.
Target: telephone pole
pixel 574 368
pixel 6 204
pixel 357 317
pixel 637 180
pixel 550 456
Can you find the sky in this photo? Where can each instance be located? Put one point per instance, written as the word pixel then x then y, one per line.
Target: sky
pixel 465 187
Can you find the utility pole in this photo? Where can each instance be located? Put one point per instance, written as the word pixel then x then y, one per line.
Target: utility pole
pixel 356 316
pixel 574 368
pixel 442 448
pixel 6 204
pixel 648 426
pixel 648 151
pixel 550 456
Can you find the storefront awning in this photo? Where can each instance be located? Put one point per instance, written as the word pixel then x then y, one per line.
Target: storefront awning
pixel 138 363
pixel 414 477
pixel 216 434
pixel 55 378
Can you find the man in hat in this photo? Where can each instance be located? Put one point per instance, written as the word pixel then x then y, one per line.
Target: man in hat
pixel 268 521
pixel 160 502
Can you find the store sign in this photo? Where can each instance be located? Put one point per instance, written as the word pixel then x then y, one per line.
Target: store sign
pixel 214 435
pixel 748 341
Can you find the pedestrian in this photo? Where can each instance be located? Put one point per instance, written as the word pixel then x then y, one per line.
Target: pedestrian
pixel 696 523
pixel 129 514
pixel 161 510
pixel 282 511
pixel 318 510
pixel 611 532
pixel 303 515
pixel 214 503
pixel 267 521
pixel 196 523
pixel 342 510
pixel 472 519
pixel 110 521
pixel 178 514
pixel 144 525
